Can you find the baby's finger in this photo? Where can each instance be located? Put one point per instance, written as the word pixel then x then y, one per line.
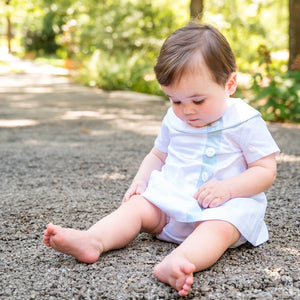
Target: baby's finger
pixel 215 203
pixel 205 203
pixel 128 194
pixel 140 190
pixel 125 198
pixel 196 195
pixel 201 202
pixel 204 199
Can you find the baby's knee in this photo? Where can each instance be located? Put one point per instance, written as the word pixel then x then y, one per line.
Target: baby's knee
pixel 153 219
pixel 137 198
pixel 229 233
pixel 136 201
pixel 225 231
pixel 140 204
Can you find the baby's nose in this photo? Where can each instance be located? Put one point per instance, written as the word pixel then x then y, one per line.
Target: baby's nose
pixel 188 109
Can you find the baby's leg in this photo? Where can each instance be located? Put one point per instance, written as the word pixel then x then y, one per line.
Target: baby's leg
pixel 201 249
pixel 112 232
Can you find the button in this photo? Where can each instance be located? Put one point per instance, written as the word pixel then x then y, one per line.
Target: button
pixel 204 176
pixel 210 152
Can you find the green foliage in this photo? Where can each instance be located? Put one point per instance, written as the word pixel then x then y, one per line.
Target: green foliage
pixel 127 36
pixel 123 71
pixel 116 42
pixel 280 99
pixel 247 24
pixel 276 94
pixel 50 60
pixel 42 41
pixel 43 25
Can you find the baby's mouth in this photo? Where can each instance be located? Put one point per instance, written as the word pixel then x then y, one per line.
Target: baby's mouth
pixel 192 120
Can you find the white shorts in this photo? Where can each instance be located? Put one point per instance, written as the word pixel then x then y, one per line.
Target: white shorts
pixel 177 232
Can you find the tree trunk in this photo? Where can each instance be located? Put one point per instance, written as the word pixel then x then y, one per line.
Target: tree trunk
pixel 294 34
pixel 9 34
pixel 196 9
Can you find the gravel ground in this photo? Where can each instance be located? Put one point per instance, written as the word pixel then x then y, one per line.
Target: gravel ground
pixel 68 154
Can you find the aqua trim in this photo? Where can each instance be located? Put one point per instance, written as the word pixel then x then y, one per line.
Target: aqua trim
pixel 211 149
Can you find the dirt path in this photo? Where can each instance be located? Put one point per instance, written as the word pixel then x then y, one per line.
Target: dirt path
pixel 68 153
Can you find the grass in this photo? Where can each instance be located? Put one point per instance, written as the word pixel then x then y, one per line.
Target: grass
pixel 50 60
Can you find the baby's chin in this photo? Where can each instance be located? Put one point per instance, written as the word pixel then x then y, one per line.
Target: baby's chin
pixel 197 123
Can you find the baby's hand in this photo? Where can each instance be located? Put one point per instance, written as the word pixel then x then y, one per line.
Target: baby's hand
pixel 136 188
pixel 212 194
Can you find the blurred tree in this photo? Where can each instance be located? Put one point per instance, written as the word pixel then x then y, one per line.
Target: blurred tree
pixel 43 25
pixel 9 33
pixel 120 39
pixel 196 9
pixel 294 34
pixel 248 24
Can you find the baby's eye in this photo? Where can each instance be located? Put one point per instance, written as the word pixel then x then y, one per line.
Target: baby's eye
pixel 175 102
pixel 197 102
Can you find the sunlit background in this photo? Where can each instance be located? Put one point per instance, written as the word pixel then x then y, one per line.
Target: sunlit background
pixel 113 45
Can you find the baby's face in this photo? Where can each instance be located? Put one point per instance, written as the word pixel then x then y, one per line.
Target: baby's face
pixel 197 99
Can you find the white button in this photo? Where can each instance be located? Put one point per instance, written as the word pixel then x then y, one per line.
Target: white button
pixel 210 152
pixel 204 176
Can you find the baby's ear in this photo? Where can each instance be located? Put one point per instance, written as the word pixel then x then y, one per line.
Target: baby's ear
pixel 231 84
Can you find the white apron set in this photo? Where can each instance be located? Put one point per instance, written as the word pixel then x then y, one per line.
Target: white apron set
pixel 217 151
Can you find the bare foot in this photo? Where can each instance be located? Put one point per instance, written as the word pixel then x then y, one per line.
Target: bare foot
pixel 177 271
pixel 73 242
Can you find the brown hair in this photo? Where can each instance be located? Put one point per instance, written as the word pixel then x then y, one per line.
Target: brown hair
pixel 179 52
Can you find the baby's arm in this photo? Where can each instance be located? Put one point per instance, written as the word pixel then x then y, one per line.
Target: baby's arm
pixel 154 160
pixel 259 176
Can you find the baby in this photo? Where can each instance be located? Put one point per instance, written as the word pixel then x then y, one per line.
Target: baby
pixel 202 184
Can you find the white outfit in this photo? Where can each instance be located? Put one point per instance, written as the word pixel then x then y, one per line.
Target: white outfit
pixel 218 151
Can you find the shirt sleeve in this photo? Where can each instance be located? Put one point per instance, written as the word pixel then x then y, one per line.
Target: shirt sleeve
pixel 256 141
pixel 163 139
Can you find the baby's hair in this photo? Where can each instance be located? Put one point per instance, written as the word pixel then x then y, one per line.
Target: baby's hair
pixel 180 54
